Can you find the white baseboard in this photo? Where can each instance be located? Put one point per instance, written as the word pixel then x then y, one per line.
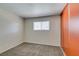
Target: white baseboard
pixel 62 51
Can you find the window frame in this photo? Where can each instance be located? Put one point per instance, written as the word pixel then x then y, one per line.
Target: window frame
pixel 41 23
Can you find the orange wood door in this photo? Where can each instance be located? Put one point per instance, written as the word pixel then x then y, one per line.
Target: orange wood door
pixel 70 30
pixel 65 39
pixel 74 29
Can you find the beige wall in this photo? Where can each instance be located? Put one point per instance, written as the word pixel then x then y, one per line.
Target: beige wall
pixel 11 30
pixel 51 37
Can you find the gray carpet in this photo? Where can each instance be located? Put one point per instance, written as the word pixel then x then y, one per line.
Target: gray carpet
pixel 30 49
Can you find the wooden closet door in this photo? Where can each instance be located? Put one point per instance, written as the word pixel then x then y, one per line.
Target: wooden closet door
pixel 70 30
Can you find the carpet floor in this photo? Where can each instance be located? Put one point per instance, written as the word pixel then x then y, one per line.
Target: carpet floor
pixel 31 49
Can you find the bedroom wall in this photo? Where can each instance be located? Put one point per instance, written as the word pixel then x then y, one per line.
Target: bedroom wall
pixel 51 37
pixel 11 30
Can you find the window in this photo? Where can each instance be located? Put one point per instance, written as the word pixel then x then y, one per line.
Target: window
pixel 37 25
pixel 42 25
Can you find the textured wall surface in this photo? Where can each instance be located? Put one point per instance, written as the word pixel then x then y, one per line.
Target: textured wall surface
pixel 51 37
pixel 11 30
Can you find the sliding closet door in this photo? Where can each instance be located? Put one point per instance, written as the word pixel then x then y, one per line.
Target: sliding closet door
pixel 70 30
pixel 65 30
pixel 74 29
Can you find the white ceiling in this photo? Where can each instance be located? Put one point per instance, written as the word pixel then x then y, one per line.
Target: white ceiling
pixel 33 9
